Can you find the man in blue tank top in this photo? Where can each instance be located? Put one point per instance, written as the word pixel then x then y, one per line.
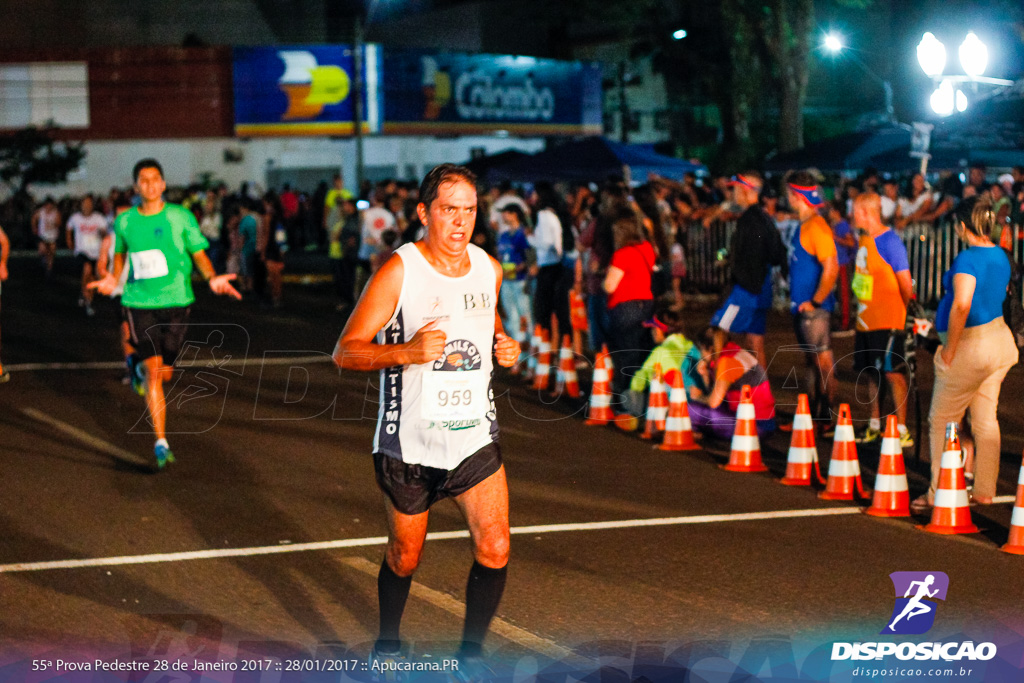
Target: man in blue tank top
pixel 428 321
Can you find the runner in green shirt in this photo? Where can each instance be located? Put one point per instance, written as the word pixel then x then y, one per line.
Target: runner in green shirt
pixel 158 243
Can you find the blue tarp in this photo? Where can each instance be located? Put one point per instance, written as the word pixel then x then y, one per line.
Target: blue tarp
pixel 847 152
pixel 592 159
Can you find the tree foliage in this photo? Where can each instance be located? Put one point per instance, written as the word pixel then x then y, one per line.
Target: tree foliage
pixel 33 155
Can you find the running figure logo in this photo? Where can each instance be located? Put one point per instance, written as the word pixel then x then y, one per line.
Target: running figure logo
pixel 914 612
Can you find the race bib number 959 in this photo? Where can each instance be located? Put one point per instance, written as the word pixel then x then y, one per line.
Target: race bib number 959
pixel 454 396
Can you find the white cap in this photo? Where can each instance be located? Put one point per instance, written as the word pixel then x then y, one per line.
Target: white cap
pixel 1005 178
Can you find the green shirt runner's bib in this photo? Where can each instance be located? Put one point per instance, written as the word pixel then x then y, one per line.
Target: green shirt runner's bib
pixel 158 252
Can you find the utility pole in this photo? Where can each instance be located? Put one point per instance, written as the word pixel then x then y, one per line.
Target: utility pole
pixel 357 96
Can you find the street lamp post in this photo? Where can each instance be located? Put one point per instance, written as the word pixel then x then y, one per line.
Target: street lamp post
pixel 973 54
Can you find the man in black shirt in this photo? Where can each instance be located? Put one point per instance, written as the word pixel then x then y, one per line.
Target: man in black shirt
pixel 756 248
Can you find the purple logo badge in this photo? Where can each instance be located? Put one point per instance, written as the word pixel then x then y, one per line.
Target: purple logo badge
pixel 916 593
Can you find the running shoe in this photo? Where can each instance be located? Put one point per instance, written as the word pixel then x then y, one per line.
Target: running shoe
pixel 870 435
pixel 386 667
pixel 906 440
pixel 472 670
pixel 4 375
pixel 163 456
pixel 89 310
pixel 135 369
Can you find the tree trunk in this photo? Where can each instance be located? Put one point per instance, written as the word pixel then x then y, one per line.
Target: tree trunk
pixel 792 95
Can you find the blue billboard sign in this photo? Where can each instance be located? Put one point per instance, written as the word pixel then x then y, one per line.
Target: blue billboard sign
pixel 303 90
pixel 458 94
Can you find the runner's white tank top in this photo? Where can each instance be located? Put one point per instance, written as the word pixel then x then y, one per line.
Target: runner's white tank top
pixel 438 414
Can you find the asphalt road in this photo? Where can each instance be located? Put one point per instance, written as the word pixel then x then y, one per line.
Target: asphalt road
pixel 264 538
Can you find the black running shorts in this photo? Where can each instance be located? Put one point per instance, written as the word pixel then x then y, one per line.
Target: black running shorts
pixel 157 331
pixel 414 488
pixel 883 350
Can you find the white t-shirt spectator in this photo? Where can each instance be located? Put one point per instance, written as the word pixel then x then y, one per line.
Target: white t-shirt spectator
pixel 89 231
pixel 909 206
pixel 376 220
pixel 889 207
pixel 547 238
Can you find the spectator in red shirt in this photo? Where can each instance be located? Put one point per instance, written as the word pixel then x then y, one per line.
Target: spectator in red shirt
pixel 630 303
pixel 289 201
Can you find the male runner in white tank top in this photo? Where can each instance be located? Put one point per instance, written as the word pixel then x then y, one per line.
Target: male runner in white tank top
pixel 428 321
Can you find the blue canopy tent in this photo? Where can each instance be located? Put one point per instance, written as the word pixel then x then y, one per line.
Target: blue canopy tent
pixel 847 152
pixel 592 159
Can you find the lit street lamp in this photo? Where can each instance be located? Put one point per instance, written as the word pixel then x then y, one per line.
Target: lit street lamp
pixel 833 44
pixel 931 55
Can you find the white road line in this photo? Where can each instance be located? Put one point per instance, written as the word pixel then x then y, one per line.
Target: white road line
pixel 434 536
pixel 119 365
pixel 499 626
pixel 83 436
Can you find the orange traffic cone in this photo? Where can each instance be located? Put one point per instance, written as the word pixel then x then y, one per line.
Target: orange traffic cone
pixel 657 406
pixel 568 382
pixel 1015 544
pixel 678 430
pixel 542 378
pixel 951 514
pixel 803 453
pixel 892 498
pixel 745 455
pixel 600 412
pixel 531 360
pixel 844 468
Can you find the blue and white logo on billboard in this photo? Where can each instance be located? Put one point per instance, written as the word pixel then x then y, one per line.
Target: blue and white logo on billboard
pixel 916 595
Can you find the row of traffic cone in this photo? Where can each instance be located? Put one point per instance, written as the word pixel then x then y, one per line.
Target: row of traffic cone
pixel 539 365
pixel 667 412
pixel 951 512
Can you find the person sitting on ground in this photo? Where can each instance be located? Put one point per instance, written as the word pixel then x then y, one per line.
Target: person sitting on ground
pixel 674 351
pixel 714 412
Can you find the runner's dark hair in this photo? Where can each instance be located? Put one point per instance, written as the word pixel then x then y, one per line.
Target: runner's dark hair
pixel 437 176
pixel 148 162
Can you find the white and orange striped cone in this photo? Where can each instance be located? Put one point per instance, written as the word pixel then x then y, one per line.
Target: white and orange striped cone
pixel 657 406
pixel 803 452
pixel 1015 544
pixel 844 467
pixel 678 430
pixel 951 513
pixel 542 375
pixel 892 496
pixel 600 411
pixel 608 359
pixel 531 359
pixel 745 454
pixel 568 382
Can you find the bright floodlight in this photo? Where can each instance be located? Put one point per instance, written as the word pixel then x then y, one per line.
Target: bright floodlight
pixel 942 99
pixel 833 42
pixel 961 101
pixel 973 55
pixel 679 34
pixel 931 54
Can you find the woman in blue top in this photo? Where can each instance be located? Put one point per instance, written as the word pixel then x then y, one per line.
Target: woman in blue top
pixel 977 347
pixel 515 254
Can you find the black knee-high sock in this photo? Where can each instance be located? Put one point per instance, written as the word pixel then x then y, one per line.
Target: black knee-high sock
pixel 483 593
pixel 392 592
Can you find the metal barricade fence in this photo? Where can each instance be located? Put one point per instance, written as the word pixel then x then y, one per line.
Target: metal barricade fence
pixel 931 249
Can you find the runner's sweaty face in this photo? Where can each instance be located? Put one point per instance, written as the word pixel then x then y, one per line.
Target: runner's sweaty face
pixel 450 217
pixel 150 184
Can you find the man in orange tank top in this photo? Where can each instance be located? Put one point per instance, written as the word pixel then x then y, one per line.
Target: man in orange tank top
pixel 883 287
